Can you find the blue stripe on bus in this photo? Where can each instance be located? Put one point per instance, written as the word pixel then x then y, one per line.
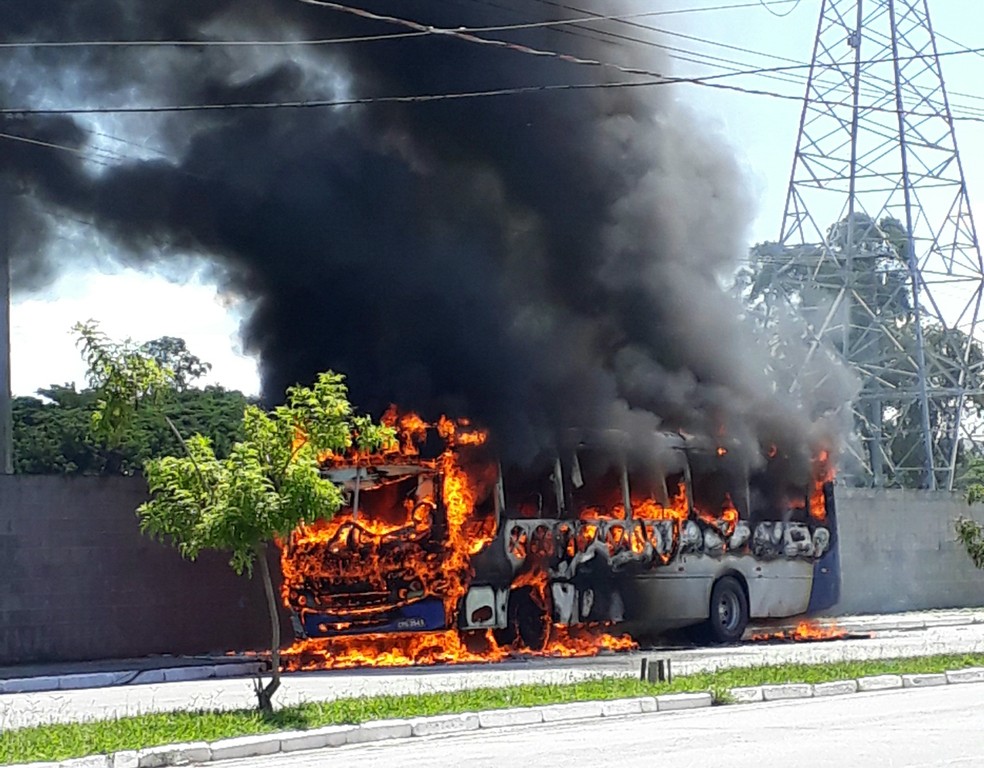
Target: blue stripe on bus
pixel 826 571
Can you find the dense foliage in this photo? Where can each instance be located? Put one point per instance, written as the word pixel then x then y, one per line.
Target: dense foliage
pixel 971 535
pixel 53 432
pixel 854 298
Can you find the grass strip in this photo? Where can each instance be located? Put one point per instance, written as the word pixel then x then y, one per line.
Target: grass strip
pixel 63 741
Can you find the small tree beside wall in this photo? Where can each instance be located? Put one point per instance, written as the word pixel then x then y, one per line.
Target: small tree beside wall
pixel 268 485
pixel 970 533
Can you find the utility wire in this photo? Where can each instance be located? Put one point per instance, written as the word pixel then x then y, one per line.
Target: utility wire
pixel 687 55
pixel 780 15
pixel 454 96
pixel 364 38
pixel 426 30
pixel 470 37
pixel 695 38
pixel 86 152
pixel 660 80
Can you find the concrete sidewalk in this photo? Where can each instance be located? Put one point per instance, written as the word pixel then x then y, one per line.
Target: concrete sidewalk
pixel 35 678
pixel 906 640
pixel 885 622
pixel 30 678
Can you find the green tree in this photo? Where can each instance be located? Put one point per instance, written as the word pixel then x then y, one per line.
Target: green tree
pixel 972 480
pixel 270 483
pixel 171 353
pixel 125 378
pixel 53 431
pixel 854 296
pixel 971 534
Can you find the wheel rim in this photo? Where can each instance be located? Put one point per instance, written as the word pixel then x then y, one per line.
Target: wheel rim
pixel 728 611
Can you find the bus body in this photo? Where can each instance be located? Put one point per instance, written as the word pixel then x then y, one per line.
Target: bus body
pixel 692 544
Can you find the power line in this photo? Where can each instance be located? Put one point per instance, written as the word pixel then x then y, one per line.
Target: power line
pixel 954 42
pixel 86 152
pixel 675 52
pixel 695 38
pixel 780 15
pixel 458 95
pixel 89 151
pixel 366 38
pixel 428 30
pixel 470 37
pixel 688 55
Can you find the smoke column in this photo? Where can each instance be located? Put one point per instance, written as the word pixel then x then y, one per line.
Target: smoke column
pixel 537 262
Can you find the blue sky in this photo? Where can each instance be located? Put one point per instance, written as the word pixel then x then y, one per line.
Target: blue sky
pixel 761 132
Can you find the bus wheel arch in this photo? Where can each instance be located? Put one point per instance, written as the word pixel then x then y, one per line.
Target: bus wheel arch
pixel 528 623
pixel 728 610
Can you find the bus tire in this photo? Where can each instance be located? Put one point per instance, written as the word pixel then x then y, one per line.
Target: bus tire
pixel 728 615
pixel 528 619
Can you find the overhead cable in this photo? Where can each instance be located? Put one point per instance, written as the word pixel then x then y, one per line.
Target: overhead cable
pixel 21 44
pixel 779 15
pixel 454 96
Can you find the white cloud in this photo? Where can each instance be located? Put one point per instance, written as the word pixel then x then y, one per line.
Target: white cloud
pixel 126 304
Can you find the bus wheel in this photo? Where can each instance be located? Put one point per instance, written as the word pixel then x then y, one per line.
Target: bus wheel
pixel 529 618
pixel 729 611
pixel 505 637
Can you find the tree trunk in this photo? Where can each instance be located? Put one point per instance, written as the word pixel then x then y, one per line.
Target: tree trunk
pixel 114 462
pixel 265 693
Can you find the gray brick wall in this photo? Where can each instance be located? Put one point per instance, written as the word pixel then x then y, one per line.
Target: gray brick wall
pixel 79 581
pixel 899 552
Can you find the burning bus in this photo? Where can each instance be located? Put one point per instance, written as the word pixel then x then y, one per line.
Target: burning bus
pixel 447 558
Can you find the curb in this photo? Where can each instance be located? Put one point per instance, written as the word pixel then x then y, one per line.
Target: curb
pixel 449 725
pixel 130 677
pixel 860 685
pixel 379 730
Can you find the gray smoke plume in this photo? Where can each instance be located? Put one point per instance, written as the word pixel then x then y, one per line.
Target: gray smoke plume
pixel 538 262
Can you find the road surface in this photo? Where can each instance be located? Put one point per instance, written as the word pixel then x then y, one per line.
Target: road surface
pixel 943 636
pixel 903 729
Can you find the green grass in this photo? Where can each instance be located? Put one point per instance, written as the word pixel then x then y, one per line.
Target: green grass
pixel 59 742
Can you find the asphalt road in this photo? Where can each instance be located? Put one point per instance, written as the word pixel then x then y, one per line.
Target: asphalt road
pixel 904 729
pixel 900 636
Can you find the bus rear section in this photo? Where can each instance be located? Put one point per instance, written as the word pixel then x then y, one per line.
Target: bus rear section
pixel 770 570
pixel 695 542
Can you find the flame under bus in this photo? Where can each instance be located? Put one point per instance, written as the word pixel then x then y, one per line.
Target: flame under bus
pixel 449 544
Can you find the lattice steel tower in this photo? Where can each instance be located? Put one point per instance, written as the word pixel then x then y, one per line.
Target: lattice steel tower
pixel 881 254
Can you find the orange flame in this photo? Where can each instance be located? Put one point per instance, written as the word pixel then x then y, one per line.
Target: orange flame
pixel 823 473
pixel 726 521
pixel 418 523
pixel 805 631
pixel 350 560
pixel 447 647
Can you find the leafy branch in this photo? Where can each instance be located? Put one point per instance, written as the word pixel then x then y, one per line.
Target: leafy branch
pixel 971 534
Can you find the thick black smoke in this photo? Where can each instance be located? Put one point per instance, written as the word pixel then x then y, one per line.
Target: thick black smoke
pixel 538 262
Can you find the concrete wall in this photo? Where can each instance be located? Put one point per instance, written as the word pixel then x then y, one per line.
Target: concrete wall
pixel 79 581
pixel 899 552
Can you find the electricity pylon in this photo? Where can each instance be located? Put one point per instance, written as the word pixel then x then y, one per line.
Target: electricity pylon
pixel 880 252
